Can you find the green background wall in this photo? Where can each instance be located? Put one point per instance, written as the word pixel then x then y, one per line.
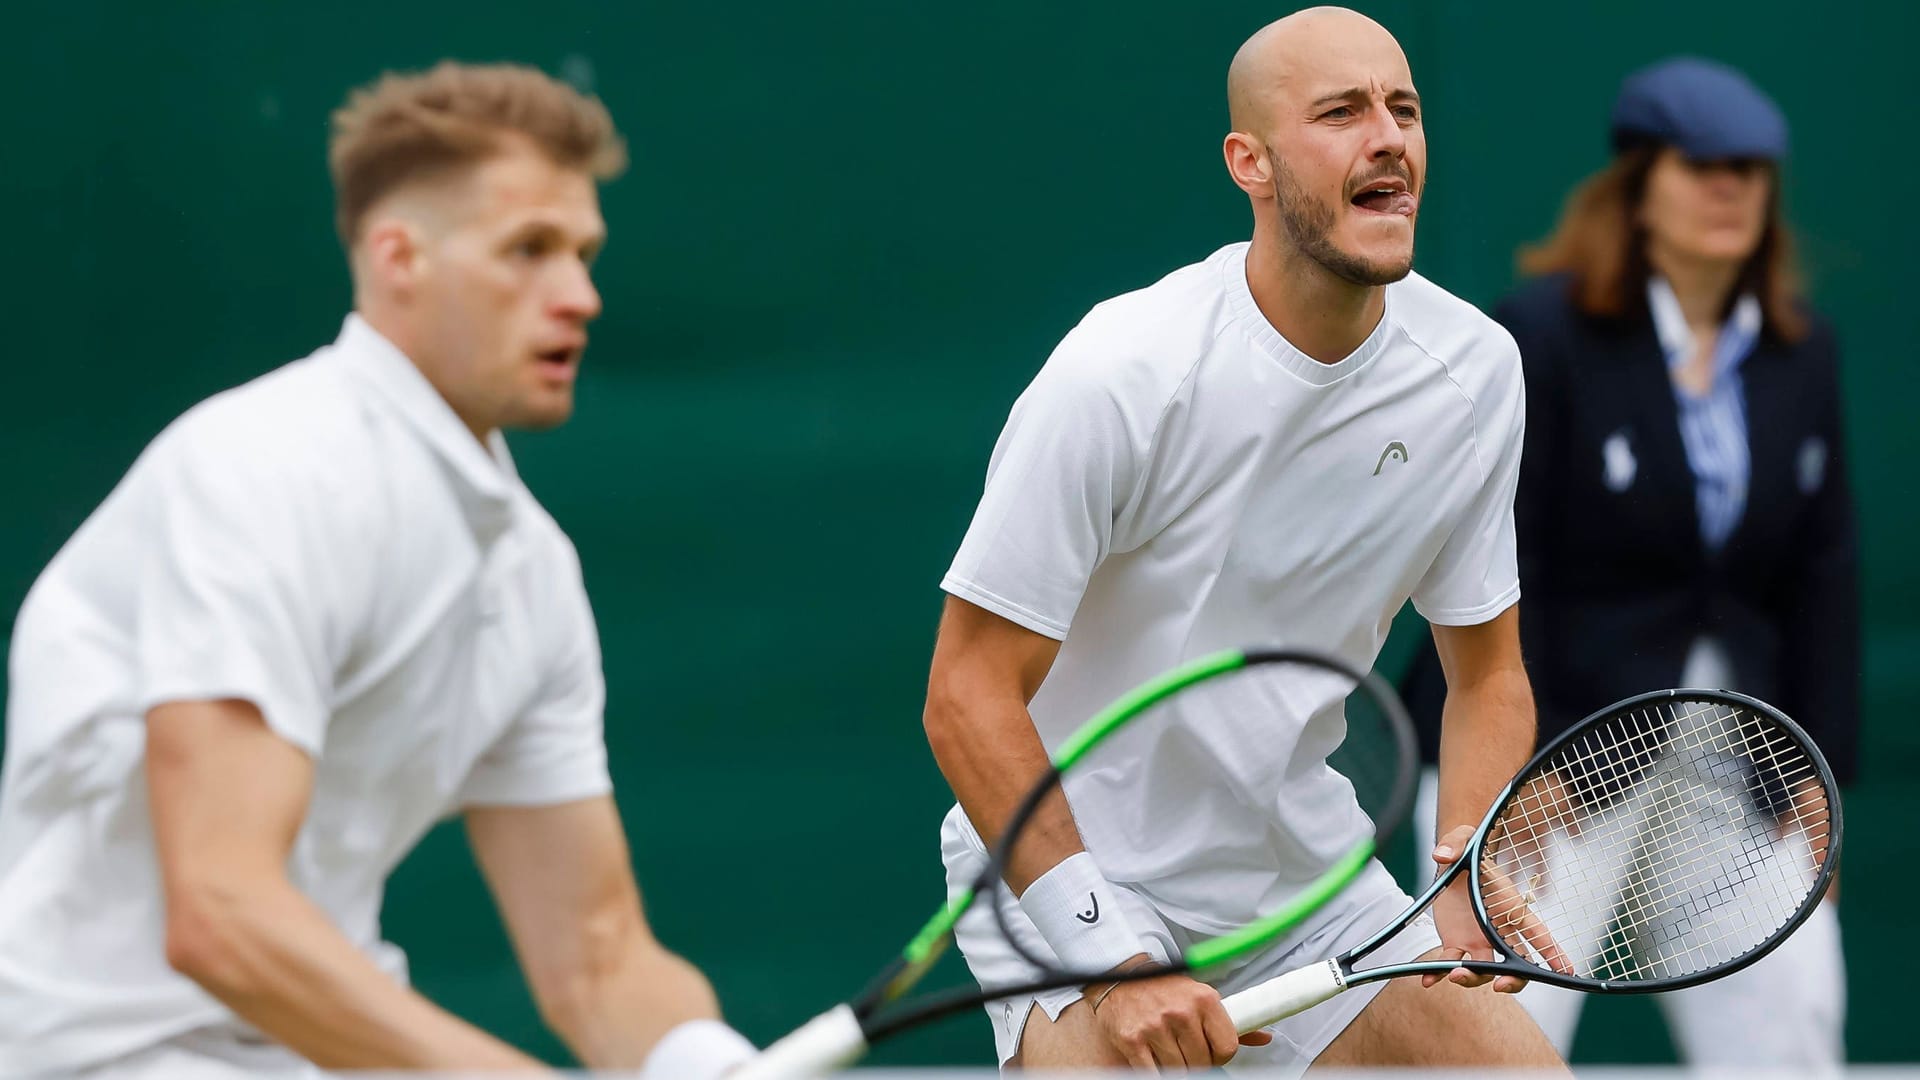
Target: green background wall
pixel 852 232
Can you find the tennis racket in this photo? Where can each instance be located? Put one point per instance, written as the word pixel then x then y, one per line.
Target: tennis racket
pixel 1668 840
pixel 1378 755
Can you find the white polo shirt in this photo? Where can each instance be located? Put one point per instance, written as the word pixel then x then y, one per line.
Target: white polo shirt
pixel 1179 479
pixel 332 544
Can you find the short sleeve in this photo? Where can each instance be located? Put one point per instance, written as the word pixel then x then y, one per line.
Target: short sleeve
pixel 1476 575
pixel 240 591
pixel 554 752
pixel 1061 474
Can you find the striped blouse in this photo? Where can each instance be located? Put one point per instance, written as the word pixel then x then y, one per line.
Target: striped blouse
pixel 1713 425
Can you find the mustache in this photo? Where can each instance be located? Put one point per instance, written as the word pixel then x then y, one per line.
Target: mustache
pixel 1390 172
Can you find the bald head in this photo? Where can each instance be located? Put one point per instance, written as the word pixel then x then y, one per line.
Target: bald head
pixel 1308 48
pixel 1329 144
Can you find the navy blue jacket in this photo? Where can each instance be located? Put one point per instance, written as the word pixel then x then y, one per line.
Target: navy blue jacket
pixel 1615 580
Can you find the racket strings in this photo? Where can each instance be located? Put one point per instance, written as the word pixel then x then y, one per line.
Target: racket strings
pixel 1659 843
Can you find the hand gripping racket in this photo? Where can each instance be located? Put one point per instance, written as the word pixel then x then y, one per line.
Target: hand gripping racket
pixel 1378 756
pixel 1668 840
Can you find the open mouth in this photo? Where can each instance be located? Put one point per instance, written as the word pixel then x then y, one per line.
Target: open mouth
pixel 1387 197
pixel 560 362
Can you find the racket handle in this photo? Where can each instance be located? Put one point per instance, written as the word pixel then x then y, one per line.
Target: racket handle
pixel 832 1040
pixel 1282 996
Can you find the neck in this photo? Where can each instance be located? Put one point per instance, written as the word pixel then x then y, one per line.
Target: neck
pixel 1322 315
pixel 395 329
pixel 1703 286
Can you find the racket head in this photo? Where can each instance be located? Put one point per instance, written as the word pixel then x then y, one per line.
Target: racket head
pixel 1667 840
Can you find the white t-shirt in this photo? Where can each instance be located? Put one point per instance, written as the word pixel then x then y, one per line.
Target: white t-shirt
pixel 1178 479
pixel 332 544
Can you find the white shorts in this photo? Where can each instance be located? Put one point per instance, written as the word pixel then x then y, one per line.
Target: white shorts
pixel 1368 904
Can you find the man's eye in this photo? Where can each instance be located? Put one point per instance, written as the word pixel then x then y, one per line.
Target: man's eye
pixel 1340 113
pixel 1407 112
pixel 530 249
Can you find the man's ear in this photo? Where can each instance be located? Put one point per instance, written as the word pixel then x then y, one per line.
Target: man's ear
pixel 1247 163
pixel 393 252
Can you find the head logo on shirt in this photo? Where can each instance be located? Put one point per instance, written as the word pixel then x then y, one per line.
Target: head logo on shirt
pixel 1395 450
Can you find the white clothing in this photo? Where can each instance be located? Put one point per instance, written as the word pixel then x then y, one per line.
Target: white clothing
pixel 1788 1009
pixel 205 1054
pixel 332 544
pixel 1371 902
pixel 1179 479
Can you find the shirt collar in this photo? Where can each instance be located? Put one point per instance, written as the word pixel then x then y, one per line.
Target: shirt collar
pixel 1738 334
pixel 484 477
pixel 1274 344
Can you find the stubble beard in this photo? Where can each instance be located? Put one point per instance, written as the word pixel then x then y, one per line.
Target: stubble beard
pixel 1309 225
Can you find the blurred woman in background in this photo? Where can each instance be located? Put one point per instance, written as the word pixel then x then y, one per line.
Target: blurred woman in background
pixel 1683 516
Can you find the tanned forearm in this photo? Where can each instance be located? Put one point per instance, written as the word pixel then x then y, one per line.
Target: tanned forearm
pixel 266 952
pixel 984 672
pixel 619 1005
pixel 1486 735
pixel 991 755
pixel 563 878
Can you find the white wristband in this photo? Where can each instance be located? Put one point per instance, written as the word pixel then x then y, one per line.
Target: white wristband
pixel 1077 912
pixel 696 1050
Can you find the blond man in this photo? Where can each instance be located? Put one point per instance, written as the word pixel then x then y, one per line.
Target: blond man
pixel 320 613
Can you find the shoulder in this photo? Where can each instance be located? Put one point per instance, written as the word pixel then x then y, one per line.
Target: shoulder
pixel 1814 358
pixel 1475 355
pixel 1138 348
pixel 1478 353
pixel 294 438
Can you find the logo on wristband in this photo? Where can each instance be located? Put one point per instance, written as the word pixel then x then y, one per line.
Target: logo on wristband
pixel 1090 917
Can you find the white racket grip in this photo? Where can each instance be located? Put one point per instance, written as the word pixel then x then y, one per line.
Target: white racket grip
pixel 1278 998
pixel 827 1042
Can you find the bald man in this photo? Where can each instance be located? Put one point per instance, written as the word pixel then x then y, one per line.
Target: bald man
pixel 1283 443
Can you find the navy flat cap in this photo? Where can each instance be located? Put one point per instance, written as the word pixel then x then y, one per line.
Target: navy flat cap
pixel 1707 111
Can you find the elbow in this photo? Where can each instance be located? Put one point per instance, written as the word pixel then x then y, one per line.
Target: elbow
pixel 944 720
pixel 608 943
pixel 205 938
pixel 618 967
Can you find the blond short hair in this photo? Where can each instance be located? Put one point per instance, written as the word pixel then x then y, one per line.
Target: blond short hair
pixel 414 126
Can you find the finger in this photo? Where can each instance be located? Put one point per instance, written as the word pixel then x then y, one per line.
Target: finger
pixel 1461 976
pixel 1433 978
pixel 1139 1055
pixel 1190 1038
pixel 1533 930
pixel 1222 1041
pixel 1452 844
pixel 1166 1048
pixel 1256 1038
pixel 1465 977
pixel 1509 984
